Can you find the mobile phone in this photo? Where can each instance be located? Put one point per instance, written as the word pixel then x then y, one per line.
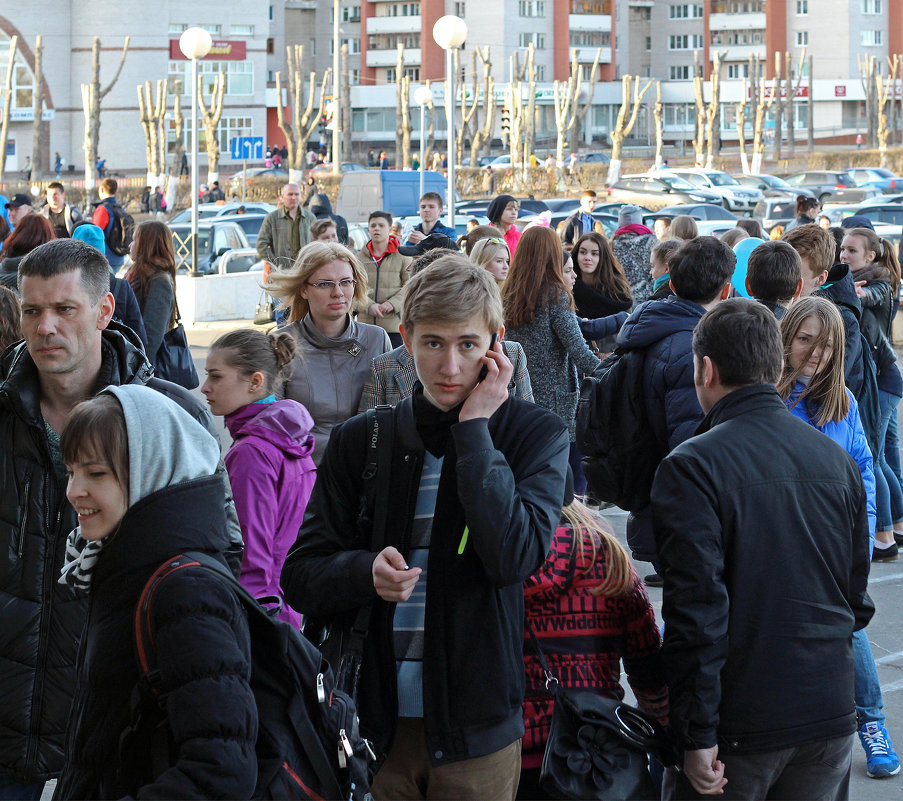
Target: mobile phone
pixel 484 370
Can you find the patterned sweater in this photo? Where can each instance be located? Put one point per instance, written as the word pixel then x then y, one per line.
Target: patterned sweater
pixel 584 637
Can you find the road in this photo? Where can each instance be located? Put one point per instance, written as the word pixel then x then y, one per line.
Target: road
pixel 885 630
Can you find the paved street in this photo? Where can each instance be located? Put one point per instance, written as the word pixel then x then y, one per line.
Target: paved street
pixel 885 630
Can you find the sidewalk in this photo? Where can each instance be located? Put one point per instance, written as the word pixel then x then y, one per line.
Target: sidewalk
pixel 201 335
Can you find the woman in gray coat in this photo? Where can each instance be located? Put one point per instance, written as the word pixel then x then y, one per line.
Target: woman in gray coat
pixel 333 350
pixel 539 314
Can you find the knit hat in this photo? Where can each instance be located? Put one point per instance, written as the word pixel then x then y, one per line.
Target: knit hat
pixel 90 234
pixel 628 215
pixel 498 206
pixel 857 221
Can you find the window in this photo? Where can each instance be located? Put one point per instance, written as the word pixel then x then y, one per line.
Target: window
pixel 241 30
pixel 177 28
pixel 271 76
pixel 680 73
pixel 213 30
pixel 413 73
pixel 532 8
pixel 802 38
pixel 586 72
pixel 871 6
pixel 686 11
pixel 355 77
pixel 538 40
pixel 228 128
pixel 390 75
pixel 239 76
pixel 737 71
pixel 459 9
pixel 351 13
pixel 648 43
pixel 870 38
pixel 802 8
pixel 541 73
pixel 685 42
pixel 590 39
pixel 354 46
pixel 271 46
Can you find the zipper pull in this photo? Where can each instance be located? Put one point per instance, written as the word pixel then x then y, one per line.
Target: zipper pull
pixel 346 743
pixel 369 746
pixel 321 691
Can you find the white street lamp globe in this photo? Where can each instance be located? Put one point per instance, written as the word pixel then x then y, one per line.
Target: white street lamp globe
pixel 423 95
pixel 195 43
pixel 449 32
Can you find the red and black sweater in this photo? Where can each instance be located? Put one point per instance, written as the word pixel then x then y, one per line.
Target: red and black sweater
pixel 584 638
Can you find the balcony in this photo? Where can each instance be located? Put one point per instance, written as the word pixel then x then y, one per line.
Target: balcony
pixel 389 58
pixel 590 22
pixel 592 7
pixel 740 52
pixel 737 22
pixel 393 25
pixel 587 55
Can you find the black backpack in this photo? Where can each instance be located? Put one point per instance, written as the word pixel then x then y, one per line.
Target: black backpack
pixel 308 742
pixel 621 451
pixel 122 231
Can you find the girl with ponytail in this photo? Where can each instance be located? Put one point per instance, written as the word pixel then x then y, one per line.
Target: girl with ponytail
pixel 876 271
pixel 270 462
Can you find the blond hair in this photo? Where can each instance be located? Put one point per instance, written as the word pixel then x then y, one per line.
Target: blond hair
pixel 826 390
pixel 286 285
pixel 452 290
pixel 487 249
pixel 619 576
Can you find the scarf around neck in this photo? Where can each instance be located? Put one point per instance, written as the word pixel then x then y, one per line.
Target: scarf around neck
pixel 80 560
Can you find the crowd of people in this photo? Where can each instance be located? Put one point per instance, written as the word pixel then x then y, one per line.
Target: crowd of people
pixel 406 461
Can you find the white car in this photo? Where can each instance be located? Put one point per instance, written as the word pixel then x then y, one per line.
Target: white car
pixel 736 197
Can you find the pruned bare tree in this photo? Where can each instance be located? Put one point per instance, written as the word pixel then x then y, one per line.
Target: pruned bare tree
pixel 7 101
pixel 762 101
pixel 482 134
pixel 699 101
pixel 785 98
pixel 431 120
pixel 741 128
pixel 867 70
pixel 893 73
pixel 152 112
pixel 92 96
pixel 468 110
pixel 566 95
pixel 210 114
pixel 627 117
pixel 810 111
pixel 175 163
pixel 883 91
pixel 530 119
pixel 659 125
pixel 346 106
pixel 304 120
pixel 37 127
pixel 402 113
pixel 516 112
pixel 713 113
pixel 576 136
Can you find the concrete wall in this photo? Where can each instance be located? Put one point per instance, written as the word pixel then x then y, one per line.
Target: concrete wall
pixel 218 297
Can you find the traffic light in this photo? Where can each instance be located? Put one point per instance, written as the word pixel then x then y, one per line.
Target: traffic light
pixel 506 120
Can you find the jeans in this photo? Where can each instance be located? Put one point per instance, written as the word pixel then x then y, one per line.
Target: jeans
pixel 575 460
pixel 12 790
pixel 869 701
pixel 888 493
pixel 892 449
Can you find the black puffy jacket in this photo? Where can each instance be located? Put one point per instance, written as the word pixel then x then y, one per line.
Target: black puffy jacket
pixel 877 322
pixel 841 290
pixel 42 619
pixel 761 524
pixel 203 648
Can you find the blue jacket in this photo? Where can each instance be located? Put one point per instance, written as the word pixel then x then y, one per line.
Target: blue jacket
pixel 438 228
pixel 849 434
pixel 664 330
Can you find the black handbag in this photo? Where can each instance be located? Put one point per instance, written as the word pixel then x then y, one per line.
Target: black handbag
pixel 598 748
pixel 173 361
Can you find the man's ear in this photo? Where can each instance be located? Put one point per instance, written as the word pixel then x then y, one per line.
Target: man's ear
pixel 726 290
pixel 405 337
pixel 105 309
pixel 821 278
pixel 799 288
pixel 501 333
pixel 748 287
pixel 710 375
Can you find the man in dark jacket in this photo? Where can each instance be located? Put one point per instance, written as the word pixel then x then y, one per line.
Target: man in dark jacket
pixel 71 352
pixel 476 479
pixel 581 221
pixel 663 329
pixel 762 529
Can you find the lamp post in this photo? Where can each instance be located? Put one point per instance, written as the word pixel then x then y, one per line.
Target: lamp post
pixel 336 165
pixel 422 96
pixel 194 43
pixel 449 33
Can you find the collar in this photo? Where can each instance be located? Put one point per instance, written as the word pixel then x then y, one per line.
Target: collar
pixel 741 402
pixel 433 425
pixel 661 281
pixel 391 248
pixel 347 340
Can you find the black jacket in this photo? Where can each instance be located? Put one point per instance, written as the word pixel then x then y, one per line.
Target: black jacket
pixel 126 310
pixel 321 208
pixel 42 619
pixel 204 655
pixel 502 479
pixel 592 304
pixel 841 290
pixel 761 525
pixel 877 321
pixel 573 229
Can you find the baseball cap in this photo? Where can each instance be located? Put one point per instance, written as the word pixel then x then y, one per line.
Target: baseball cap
pixel 19 200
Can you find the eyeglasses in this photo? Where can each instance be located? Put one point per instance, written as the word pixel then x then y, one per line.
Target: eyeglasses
pixel 346 285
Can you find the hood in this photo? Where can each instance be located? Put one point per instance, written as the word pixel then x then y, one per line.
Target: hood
pixel 285 424
pixel 320 205
pixel 90 234
pixel 841 289
pixel 174 448
pixel 654 320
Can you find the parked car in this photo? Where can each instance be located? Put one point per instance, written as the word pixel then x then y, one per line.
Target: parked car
pixel 831 185
pixel 655 191
pixel 735 196
pixel 876 178
pixel 475 208
pixel 881 200
pixel 249 223
pixel 483 161
pixel 215 239
pixel 891 214
pixel 208 210
pixel 345 166
pixel 701 211
pixel 772 211
pixel 771 185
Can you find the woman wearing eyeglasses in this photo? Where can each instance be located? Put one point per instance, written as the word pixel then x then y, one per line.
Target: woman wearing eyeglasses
pixel 333 350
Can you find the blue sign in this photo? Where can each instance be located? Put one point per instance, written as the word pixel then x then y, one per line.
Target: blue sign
pixel 247 147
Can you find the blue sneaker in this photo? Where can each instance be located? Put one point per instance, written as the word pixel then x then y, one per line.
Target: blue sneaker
pixel 880 758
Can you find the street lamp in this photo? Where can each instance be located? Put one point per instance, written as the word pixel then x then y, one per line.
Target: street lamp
pixel 449 32
pixel 194 43
pixel 423 95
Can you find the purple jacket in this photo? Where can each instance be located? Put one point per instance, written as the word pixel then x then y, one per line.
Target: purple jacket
pixel 272 475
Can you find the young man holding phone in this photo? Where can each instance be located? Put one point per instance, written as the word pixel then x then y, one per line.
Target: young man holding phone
pixel 479 479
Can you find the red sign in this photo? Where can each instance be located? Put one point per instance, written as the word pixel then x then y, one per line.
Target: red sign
pixel 222 50
pixel 802 91
pixel 840 91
